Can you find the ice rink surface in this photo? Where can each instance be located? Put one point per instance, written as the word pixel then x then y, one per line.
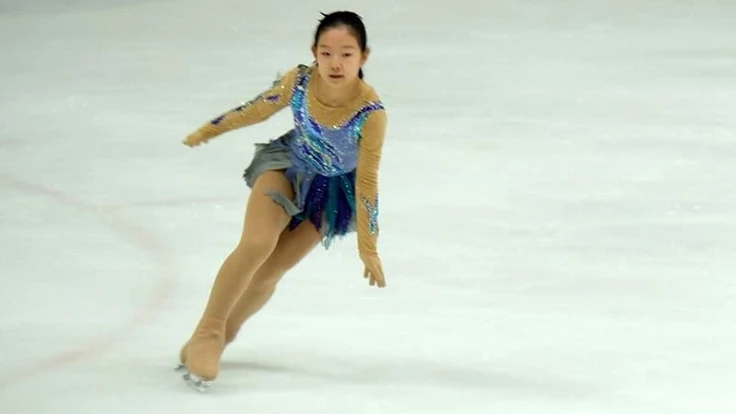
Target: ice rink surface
pixel 557 209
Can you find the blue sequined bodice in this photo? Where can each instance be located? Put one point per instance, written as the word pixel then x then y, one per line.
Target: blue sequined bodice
pixel 320 149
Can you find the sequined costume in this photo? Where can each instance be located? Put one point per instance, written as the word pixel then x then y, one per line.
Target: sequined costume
pixel 331 156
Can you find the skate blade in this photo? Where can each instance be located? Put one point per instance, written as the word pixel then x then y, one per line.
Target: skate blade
pixel 196 382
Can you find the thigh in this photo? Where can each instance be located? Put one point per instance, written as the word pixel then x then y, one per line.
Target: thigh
pixel 265 218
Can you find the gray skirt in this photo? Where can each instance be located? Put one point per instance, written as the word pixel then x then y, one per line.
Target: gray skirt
pixel 328 202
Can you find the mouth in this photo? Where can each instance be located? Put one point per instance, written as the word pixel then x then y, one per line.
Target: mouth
pixel 336 76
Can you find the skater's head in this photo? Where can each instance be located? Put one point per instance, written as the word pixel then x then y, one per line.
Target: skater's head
pixel 340 47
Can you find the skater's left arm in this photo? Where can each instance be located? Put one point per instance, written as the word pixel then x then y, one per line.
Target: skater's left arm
pixel 366 192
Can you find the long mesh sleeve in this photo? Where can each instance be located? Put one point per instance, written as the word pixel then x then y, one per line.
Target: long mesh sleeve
pixel 369 159
pixel 262 107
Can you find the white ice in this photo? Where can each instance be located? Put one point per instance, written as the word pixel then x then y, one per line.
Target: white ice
pixel 557 209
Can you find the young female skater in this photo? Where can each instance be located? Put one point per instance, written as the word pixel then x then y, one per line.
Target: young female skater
pixel 316 182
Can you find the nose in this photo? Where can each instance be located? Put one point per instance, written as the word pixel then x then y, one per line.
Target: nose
pixel 335 63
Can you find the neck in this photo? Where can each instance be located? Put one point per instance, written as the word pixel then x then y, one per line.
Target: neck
pixel 336 95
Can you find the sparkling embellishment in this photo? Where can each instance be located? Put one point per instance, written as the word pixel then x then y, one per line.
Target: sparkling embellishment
pixel 329 205
pixel 372 210
pixel 326 150
pixel 326 158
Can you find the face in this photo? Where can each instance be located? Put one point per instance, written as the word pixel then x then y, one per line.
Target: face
pixel 338 56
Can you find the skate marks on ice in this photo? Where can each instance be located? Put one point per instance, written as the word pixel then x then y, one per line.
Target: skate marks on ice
pixel 130 233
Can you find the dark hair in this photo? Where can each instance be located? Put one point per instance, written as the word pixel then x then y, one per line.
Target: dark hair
pixel 351 20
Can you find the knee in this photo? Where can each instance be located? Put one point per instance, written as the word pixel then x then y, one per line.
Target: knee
pixel 270 274
pixel 282 262
pixel 265 282
pixel 256 247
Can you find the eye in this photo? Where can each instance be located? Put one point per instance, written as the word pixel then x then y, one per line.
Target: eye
pixel 325 53
pixel 347 54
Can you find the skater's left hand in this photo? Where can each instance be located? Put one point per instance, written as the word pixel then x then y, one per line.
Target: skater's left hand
pixel 373 270
pixel 195 138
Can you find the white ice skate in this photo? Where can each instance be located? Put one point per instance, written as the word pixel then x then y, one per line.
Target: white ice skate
pixel 196 382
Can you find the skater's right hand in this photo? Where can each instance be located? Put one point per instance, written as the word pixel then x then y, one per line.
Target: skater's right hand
pixel 373 270
pixel 195 139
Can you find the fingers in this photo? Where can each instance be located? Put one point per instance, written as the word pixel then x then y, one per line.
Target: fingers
pixel 375 275
pixel 368 275
pixel 194 139
pixel 190 143
pixel 380 280
pixel 373 270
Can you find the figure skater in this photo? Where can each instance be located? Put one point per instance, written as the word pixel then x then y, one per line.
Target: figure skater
pixel 314 183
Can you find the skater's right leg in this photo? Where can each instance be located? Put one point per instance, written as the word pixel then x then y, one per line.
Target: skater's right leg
pixel 292 247
pixel 264 222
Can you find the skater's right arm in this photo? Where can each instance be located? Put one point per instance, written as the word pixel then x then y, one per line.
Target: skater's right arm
pixel 256 110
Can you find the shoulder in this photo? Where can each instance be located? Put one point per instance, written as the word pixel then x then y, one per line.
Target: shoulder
pixel 376 121
pixel 302 70
pixel 294 75
pixel 372 98
pixel 374 108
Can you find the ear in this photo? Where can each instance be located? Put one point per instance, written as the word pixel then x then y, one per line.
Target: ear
pixel 314 52
pixel 364 58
